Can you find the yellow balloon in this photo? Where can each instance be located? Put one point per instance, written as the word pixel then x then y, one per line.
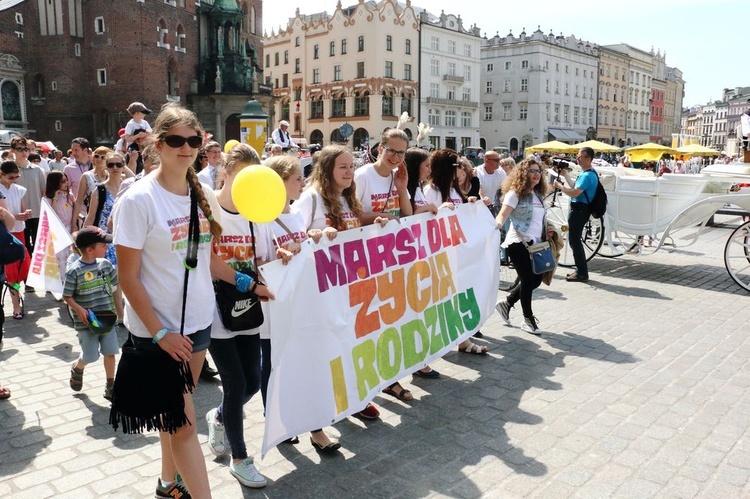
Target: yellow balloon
pixel 259 194
pixel 230 144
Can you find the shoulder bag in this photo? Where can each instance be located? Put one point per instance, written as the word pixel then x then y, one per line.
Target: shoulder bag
pixel 150 385
pixel 541 256
pixel 239 311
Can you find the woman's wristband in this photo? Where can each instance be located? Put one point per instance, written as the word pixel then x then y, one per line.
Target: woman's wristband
pixel 161 333
pixel 242 282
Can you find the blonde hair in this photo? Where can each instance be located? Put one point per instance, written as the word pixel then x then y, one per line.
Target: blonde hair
pixel 323 181
pixel 394 133
pixel 173 115
pixel 240 155
pixel 285 165
pixel 509 162
pixel 103 151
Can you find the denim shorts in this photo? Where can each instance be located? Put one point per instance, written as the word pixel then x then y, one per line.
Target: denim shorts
pixel 92 344
pixel 201 340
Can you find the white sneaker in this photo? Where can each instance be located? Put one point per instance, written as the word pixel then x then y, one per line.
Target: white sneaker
pixel 215 434
pixel 504 309
pixel 247 474
pixel 530 326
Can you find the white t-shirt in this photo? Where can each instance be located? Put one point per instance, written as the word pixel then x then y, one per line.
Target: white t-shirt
pixel 419 199
pixel 155 221
pixel 236 249
pixel 490 183
pixel 433 195
pixel 319 220
pixel 372 191
pixel 132 126
pixel 535 227
pixel 13 197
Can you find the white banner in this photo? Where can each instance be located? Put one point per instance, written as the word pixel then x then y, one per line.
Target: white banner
pixel 356 314
pixel 51 238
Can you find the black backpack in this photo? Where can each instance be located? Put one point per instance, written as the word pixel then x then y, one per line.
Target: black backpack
pixel 102 198
pixel 598 205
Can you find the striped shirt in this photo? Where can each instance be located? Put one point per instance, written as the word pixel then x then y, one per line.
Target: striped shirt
pixel 91 286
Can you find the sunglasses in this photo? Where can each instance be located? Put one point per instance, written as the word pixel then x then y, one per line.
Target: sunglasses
pixel 177 141
pixel 22 149
pixel 114 165
pixel 98 156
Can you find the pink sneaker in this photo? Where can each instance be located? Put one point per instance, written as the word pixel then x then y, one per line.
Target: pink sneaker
pixel 369 412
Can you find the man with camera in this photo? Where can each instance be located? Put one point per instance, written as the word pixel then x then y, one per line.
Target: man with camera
pixel 581 194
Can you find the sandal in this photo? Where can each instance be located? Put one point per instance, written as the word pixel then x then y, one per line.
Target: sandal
pixel 398 391
pixel 18 315
pixel 431 374
pixel 576 278
pixel 4 392
pixel 473 348
pixel 76 378
pixel 331 448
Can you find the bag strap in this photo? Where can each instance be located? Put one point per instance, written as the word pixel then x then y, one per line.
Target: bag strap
pixel 283 226
pixel 315 206
pixel 390 188
pixel 255 256
pixel 101 199
pixel 191 257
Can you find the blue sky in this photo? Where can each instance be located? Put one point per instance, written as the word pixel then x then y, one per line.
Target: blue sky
pixel 702 38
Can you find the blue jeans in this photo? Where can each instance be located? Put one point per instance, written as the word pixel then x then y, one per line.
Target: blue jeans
pixel 238 362
pixel 579 215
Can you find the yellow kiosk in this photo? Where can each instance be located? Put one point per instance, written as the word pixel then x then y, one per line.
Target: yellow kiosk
pixel 254 126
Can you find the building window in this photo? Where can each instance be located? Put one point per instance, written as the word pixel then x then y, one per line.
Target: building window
pixel 285 110
pixel 557 113
pixel 557 87
pixel 435 67
pixel 490 67
pixel 488 87
pixel 58 126
pixel 361 43
pixel 546 86
pixel 451 50
pixel 549 113
pixel 524 85
pixel 467 50
pixel 450 118
pixel 451 94
pixel 180 39
pixel 387 105
pixel 362 104
pixel 507 110
pixel 163 41
pixel 99 25
pixel 557 67
pixel 452 68
pixel 567 69
pixel 297 65
pixel 576 117
pixel 332 49
pixel 466 119
pixel 434 117
pixel 566 114
pixel 523 110
pixel 389 69
pixel 406 103
pixel 407 72
pixel 268 60
pixel 296 42
pixel 467 73
pixel 286 57
pixel 101 77
pixel 19 19
pixel 361 69
pixel 389 43
pixel 337 72
pixel 487 113
pixel 407 47
pixel 524 64
pixel 316 108
pixel 467 94
pixel 434 90
pixel 284 80
pixel 343 46
pixel 316 51
pixel 507 85
pixel 567 89
pixel 338 106
pixel 276 59
pixel 576 71
pixel 316 75
pixel 77 49
pixel 508 65
pixel 435 43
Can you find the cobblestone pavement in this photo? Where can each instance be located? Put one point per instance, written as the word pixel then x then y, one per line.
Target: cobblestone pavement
pixel 638 389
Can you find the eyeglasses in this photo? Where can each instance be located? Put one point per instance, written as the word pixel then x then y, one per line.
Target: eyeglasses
pixel 114 165
pixel 214 151
pixel 98 156
pixel 394 152
pixel 535 172
pixel 178 141
pixel 21 149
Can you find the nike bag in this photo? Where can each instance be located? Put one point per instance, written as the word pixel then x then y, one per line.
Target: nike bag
pixel 238 311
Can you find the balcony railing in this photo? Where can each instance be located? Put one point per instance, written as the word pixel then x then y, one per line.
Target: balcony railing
pixel 453 78
pixel 452 102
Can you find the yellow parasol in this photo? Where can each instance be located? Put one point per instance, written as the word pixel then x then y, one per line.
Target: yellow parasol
pixel 650 152
pixel 553 146
pixel 697 150
pixel 597 146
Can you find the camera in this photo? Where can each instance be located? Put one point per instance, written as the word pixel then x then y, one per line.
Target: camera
pixel 562 163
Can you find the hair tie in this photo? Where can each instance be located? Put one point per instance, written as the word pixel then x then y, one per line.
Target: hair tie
pixel 210 218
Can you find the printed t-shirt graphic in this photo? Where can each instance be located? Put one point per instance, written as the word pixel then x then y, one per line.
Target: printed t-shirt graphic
pixel 373 193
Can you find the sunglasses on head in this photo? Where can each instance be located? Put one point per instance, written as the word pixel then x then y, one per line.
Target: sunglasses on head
pixel 178 141
pixel 114 165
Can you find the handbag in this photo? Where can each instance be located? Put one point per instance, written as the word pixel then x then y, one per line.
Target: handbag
pixel 541 257
pixel 239 311
pixel 11 249
pixel 150 385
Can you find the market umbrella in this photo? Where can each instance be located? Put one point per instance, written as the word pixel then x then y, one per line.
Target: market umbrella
pixel 650 152
pixel 697 150
pixel 597 146
pixel 553 146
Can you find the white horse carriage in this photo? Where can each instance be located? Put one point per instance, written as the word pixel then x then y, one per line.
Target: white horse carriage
pixel 642 207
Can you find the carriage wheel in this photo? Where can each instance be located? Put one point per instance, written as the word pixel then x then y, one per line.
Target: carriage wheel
pixel 621 243
pixel 508 276
pixel 737 255
pixel 558 207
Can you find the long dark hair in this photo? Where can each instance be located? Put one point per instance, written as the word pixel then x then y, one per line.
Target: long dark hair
pixel 444 163
pixel 414 158
pixel 54 182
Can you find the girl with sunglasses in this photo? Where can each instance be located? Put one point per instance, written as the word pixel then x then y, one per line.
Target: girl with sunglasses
pixel 523 204
pixel 16 272
pixel 151 222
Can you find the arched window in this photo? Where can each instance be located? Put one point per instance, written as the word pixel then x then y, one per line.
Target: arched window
pixel 39 86
pixel 10 94
pixel 406 102
pixel 252 20
pixel 316 107
pixel 338 105
pixel 180 47
pixel 163 41
pixel 285 109
pixel 362 103
pixel 387 103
